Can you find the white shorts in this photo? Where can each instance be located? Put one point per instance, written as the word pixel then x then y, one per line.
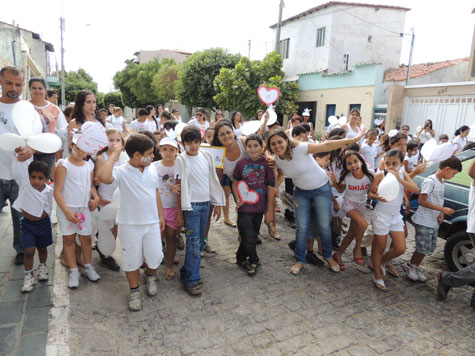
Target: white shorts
pixel 384 223
pixel 68 228
pixel 139 243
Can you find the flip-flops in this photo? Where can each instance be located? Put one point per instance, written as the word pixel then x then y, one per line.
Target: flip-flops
pixel 230 224
pixel 379 284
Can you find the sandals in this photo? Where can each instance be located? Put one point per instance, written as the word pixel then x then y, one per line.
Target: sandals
pixel 209 249
pixel 251 269
pixel 169 274
pixel 296 268
pixel 383 268
pixel 379 284
pixel 342 266
pixel 272 232
pixel 333 265
pixel 230 223
pixel 392 270
pixel 358 260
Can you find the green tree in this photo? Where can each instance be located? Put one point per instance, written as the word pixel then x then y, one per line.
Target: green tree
pixel 123 80
pixel 165 80
pixel 195 79
pixel 237 87
pixel 100 100
pixel 76 81
pixel 114 97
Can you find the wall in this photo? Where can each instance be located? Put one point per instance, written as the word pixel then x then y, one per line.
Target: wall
pixel 8 34
pixel 395 106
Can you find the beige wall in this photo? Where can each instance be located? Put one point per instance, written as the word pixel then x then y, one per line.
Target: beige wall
pixel 395 106
pixel 442 90
pixel 342 98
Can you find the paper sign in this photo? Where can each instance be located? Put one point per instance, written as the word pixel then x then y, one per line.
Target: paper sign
pixel 247 196
pixel 218 154
pixel 268 96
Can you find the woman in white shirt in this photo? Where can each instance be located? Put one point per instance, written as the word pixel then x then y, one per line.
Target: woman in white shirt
pixel 200 121
pixel 352 128
pixel 312 188
pixel 460 139
pixel 236 120
pixel 426 133
pixel 117 121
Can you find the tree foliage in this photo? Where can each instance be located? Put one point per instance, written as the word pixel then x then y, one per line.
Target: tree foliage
pixel 114 97
pixel 164 81
pixel 196 77
pixel 76 81
pixel 237 87
pixel 123 81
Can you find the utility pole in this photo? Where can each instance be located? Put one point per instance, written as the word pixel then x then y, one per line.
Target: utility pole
pixel 279 25
pixel 249 44
pixel 410 57
pixel 63 85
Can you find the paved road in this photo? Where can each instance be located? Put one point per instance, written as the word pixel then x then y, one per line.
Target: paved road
pixel 315 313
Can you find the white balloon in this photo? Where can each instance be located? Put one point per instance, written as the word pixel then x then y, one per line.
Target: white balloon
pixel 95 221
pixel 272 117
pixel 250 127
pixel 108 212
pixel 116 198
pixel 442 152
pixel 179 128
pixel 389 187
pixel 10 141
pixel 428 149
pixel 78 241
pixel 333 120
pixel 45 143
pixel 123 157
pixel 26 119
pixel 106 242
pixel 342 120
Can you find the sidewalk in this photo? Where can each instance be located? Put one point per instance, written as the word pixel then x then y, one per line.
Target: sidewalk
pixel 23 316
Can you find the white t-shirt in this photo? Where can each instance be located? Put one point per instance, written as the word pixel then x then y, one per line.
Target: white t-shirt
pixel 117 122
pixel 138 194
pixel 369 154
pixel 198 172
pixel 138 127
pixel 425 136
pixel 77 184
pixel 167 177
pixel 202 128
pixel 412 161
pixel 356 190
pixel 229 166
pixel 29 199
pixel 471 211
pixel 238 132
pixel 106 191
pixel 306 174
pixel 460 142
pixel 434 189
pixel 392 207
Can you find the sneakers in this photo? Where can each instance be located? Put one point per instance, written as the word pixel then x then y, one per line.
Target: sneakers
pixel 151 282
pixel 442 288
pixel 43 273
pixel 411 271
pixel 420 275
pixel 108 262
pixel 73 281
pixel 312 258
pixel 28 283
pixel 91 273
pixel 180 243
pixel 135 301
pixel 193 290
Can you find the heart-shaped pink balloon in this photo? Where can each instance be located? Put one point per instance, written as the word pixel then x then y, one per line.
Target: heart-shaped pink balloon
pixel 268 96
pixel 247 195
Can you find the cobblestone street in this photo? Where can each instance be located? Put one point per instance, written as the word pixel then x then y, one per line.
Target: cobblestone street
pixel 275 313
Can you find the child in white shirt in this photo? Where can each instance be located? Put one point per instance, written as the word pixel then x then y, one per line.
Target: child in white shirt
pixel 140 217
pixel 412 156
pixel 141 124
pixel 370 149
pixel 200 187
pixel 35 201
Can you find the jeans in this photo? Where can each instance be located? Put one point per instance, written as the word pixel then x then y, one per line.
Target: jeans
pixel 196 222
pixel 249 225
pixel 464 276
pixel 321 200
pixel 9 190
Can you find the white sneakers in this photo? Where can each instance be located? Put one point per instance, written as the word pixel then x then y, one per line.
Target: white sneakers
pixel 414 273
pixel 151 282
pixel 28 283
pixel 73 281
pixel 91 273
pixel 43 273
pixel 135 301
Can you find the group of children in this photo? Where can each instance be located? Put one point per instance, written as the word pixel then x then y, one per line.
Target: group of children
pixel 182 189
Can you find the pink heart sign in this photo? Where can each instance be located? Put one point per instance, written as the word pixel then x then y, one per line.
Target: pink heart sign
pixel 247 196
pixel 268 96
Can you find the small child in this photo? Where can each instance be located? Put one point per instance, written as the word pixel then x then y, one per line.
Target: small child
pixel 387 218
pixel 199 187
pixel 168 174
pixel 429 215
pixel 412 157
pixel 73 189
pixel 140 216
pixel 209 134
pixel 142 123
pixel 299 133
pixel 259 177
pixel 370 149
pixel 355 182
pixel 35 201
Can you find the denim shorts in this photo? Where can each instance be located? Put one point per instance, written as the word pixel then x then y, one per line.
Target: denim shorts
pixel 426 239
pixel 36 233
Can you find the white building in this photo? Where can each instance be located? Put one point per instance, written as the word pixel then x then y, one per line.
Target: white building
pixel 161 54
pixel 336 36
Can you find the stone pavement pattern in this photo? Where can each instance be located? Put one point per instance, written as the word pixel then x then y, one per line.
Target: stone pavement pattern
pixel 274 313
pixel 23 316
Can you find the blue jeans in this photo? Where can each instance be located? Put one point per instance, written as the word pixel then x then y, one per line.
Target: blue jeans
pixel 196 221
pixel 9 190
pixel 321 200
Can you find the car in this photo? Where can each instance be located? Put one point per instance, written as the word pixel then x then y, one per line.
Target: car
pixel 458 251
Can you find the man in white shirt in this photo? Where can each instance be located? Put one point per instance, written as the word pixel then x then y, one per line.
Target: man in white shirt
pixel 12 82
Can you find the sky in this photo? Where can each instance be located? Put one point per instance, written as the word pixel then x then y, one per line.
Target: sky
pixel 100 35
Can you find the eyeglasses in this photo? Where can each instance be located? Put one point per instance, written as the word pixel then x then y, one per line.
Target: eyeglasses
pixel 199 115
pixel 219 114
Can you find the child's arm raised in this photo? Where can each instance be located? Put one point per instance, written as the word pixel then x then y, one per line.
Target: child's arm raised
pixel 328 146
pixel 104 173
pixel 407 181
pixel 60 176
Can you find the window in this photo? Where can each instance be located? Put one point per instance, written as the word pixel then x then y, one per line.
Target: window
pixel 321 37
pixel 331 109
pixel 354 106
pixel 284 48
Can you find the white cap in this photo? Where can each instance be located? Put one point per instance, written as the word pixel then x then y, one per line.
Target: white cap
pixel 168 141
